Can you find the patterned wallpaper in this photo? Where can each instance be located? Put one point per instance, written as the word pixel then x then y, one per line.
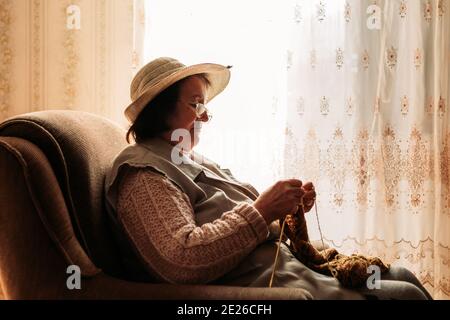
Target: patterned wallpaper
pixel 70 54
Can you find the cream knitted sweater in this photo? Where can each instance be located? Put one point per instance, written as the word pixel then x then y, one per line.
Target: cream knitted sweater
pixel 160 222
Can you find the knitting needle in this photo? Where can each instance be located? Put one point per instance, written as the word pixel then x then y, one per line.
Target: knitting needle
pixel 277 254
pixel 279 245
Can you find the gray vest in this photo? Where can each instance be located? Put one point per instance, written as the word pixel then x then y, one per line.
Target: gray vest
pixel 210 189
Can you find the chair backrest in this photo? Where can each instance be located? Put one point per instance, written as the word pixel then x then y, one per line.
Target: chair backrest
pixel 80 147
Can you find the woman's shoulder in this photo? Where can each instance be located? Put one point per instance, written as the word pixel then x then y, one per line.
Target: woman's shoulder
pixel 131 173
pixel 149 183
pixel 129 154
pixel 131 158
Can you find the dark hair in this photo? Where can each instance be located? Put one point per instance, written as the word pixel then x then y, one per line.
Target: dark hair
pixel 152 121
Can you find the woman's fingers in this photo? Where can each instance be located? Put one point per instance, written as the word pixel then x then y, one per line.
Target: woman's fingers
pixel 308 186
pixel 297 193
pixel 310 194
pixel 295 183
pixel 309 198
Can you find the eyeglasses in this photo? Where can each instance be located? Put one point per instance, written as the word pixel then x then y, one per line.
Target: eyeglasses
pixel 200 109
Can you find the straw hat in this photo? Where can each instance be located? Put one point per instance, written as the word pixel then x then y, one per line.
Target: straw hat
pixel 161 73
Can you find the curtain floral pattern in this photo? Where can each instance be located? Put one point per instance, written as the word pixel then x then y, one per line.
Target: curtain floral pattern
pixel 368 95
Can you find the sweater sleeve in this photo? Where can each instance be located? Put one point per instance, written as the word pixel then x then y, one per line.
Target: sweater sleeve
pixel 160 222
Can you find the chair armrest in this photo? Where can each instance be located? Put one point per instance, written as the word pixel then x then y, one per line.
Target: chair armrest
pixel 103 286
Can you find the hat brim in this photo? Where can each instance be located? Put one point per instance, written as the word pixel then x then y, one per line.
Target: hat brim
pixel 218 75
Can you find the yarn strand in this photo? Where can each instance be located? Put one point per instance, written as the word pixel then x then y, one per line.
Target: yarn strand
pixel 280 240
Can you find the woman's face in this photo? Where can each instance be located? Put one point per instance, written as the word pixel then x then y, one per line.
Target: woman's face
pixel 192 90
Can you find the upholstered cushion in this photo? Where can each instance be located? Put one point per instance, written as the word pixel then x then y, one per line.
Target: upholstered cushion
pixel 80 146
pixel 27 174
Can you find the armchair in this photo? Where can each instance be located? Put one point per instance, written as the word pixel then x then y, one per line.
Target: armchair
pixel 52 215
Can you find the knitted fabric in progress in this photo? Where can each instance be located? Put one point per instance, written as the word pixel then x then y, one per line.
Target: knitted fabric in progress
pixel 351 271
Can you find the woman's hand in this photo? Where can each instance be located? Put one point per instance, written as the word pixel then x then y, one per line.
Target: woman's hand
pixel 310 196
pixel 281 199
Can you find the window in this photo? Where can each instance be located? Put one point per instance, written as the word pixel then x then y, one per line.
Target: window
pixel 246 132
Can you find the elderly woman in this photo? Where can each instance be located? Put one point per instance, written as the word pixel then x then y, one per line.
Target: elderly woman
pixel 181 218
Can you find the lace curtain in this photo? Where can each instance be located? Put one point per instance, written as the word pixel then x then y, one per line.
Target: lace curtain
pixel 351 95
pixel 368 93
